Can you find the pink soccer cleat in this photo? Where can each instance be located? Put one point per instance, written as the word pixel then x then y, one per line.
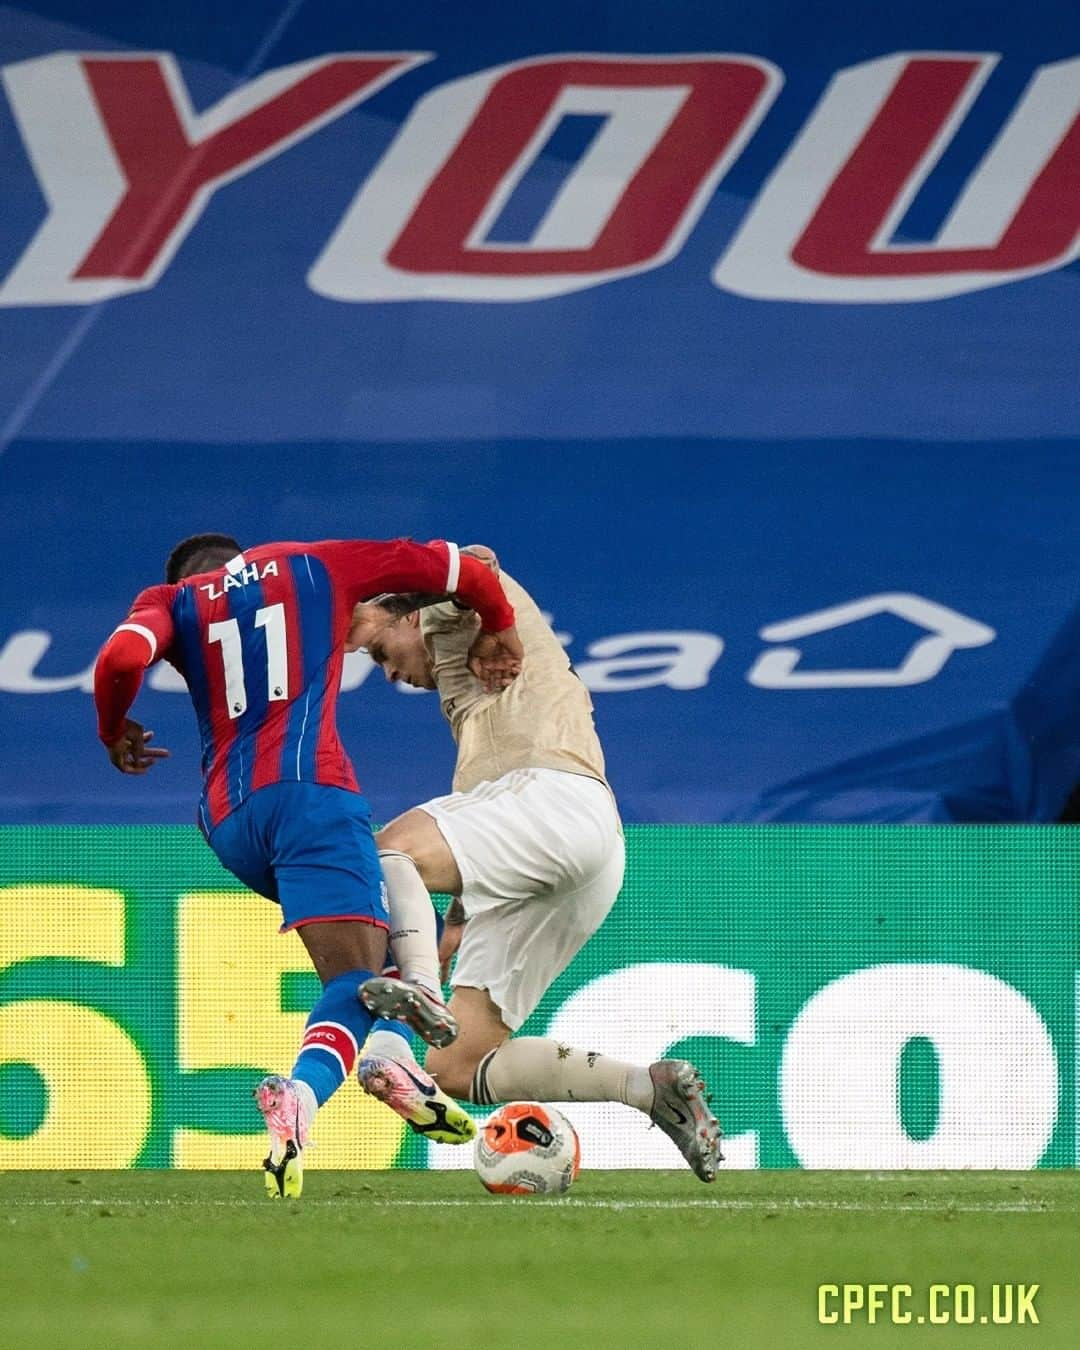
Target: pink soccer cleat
pixel 416 1097
pixel 287 1121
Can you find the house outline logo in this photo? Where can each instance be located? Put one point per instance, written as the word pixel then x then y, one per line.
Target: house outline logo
pixel 947 632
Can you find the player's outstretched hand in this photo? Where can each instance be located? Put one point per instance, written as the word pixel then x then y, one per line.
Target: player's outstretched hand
pixel 495 658
pixel 132 753
pixel 368 618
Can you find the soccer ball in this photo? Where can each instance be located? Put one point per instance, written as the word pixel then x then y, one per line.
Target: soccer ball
pixel 527 1149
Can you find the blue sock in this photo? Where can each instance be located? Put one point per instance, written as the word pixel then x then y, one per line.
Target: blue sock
pixel 401 1029
pixel 338 1026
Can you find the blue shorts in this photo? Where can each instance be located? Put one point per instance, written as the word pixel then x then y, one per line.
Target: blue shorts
pixel 310 848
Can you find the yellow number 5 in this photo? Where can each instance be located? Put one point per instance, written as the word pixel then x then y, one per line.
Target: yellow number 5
pixel 98 1089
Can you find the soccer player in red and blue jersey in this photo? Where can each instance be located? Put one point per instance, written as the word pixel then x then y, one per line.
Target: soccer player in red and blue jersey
pixel 259 634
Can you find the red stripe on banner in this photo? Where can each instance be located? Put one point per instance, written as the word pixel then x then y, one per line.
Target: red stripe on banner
pixel 723 94
pixel 839 238
pixel 166 172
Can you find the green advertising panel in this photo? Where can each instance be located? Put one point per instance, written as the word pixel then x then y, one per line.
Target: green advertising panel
pixel 857 996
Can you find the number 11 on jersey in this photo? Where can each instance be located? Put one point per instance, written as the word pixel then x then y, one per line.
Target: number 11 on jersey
pixel 227 632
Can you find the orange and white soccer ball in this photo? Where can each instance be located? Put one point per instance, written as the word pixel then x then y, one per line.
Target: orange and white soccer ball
pixel 527 1149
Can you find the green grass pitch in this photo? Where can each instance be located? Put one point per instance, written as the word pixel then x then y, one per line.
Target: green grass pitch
pixel 627 1259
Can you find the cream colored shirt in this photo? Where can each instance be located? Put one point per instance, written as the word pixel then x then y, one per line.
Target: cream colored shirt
pixel 544 720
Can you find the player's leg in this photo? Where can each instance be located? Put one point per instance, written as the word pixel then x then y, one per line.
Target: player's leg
pixel 343 953
pixel 512 950
pixel 416 861
pixel 417 835
pixel 319 849
pixel 388 1069
pixel 494 845
pixel 513 937
pixel 414 857
pixel 240 843
pixel 488 1064
pixel 506 962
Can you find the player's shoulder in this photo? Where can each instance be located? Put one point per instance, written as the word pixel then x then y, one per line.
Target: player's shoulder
pixel 326 549
pixel 159 596
pixel 331 559
pixel 283 548
pixel 264 560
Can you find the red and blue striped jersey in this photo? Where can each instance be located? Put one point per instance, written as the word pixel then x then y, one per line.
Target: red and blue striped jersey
pixel 261 644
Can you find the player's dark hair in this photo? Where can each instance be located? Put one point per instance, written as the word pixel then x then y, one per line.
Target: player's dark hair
pixel 188 556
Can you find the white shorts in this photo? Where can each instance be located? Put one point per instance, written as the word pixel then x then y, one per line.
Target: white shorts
pixel 541 857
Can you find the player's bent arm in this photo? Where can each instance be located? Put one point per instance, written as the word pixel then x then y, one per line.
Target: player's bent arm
pixel 480 588
pixel 369 567
pixel 366 568
pixel 142 639
pixel 496 654
pixel 469 580
pixel 398 604
pixel 118 674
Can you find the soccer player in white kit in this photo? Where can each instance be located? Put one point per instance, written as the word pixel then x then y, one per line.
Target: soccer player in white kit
pixel 530 844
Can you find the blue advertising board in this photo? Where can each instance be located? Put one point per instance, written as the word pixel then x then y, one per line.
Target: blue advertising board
pixel 747 338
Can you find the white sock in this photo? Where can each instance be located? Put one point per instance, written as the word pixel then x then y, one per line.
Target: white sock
pixel 389 1045
pixel 532 1068
pixel 306 1093
pixel 414 941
